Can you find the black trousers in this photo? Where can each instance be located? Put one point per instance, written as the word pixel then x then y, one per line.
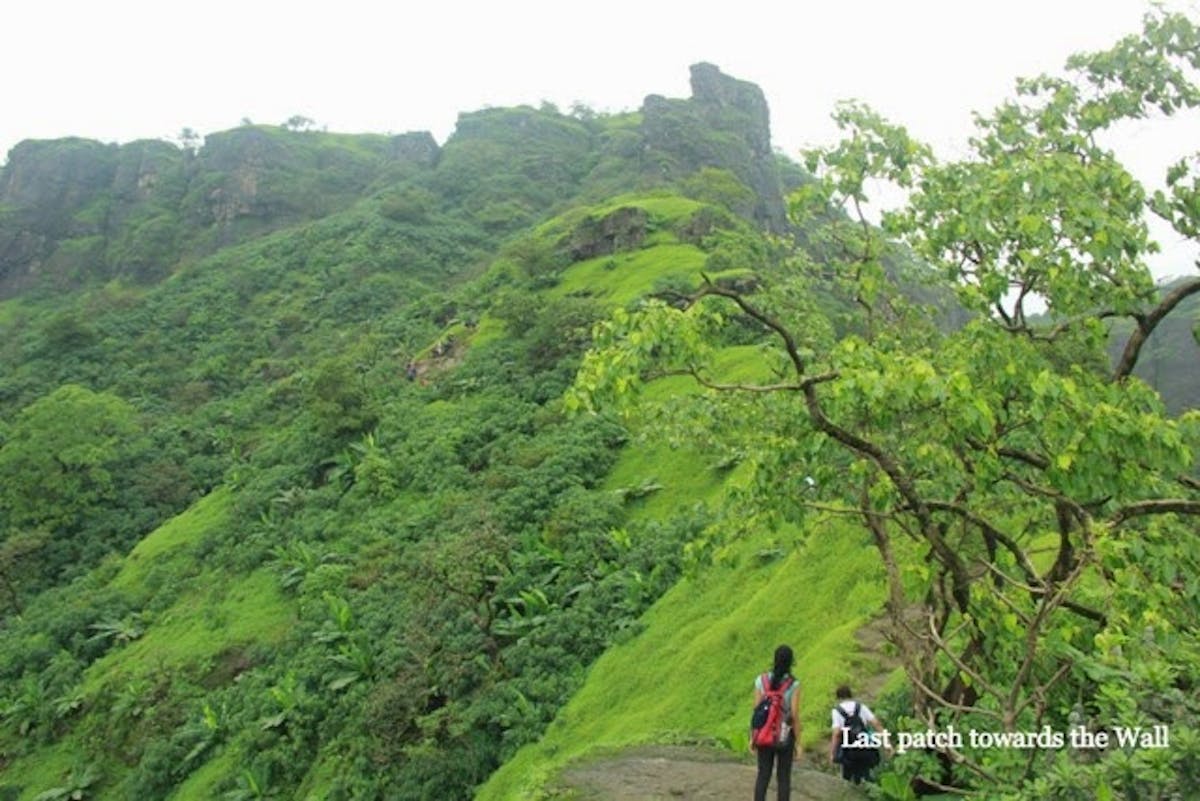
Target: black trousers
pixel 781 763
pixel 856 773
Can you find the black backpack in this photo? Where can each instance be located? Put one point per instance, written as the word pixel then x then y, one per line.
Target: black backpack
pixel 853 727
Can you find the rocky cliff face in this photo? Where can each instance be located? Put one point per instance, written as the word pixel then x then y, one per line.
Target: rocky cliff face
pixel 418 148
pixel 56 176
pixel 71 209
pixel 726 124
pixel 725 100
pixel 47 191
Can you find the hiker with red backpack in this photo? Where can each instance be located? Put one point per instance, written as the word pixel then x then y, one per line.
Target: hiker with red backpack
pixel 775 725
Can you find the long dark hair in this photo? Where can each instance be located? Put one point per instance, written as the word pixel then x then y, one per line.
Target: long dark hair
pixel 783 665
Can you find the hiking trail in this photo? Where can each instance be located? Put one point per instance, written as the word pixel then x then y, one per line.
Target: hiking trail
pixel 684 773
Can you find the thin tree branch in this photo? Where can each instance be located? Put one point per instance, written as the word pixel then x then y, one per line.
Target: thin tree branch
pixel 848 511
pixel 945 648
pixel 1031 459
pixel 946 788
pixel 1073 606
pixel 1033 638
pixel 1147 323
pixel 948 704
pixel 1042 492
pixel 1177 506
pixel 694 373
pixel 1008 542
pixel 1058 674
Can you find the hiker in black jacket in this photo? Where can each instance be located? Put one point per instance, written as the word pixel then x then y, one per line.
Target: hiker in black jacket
pixel 849 718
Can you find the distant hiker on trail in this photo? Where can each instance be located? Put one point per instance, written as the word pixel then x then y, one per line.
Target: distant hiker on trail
pixel 853 720
pixel 775 725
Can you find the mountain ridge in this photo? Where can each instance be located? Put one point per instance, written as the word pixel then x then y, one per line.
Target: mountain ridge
pixel 338 361
pixel 339 523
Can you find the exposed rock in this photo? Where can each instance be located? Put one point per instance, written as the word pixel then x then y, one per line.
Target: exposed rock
pixel 235 162
pixel 45 189
pixel 510 163
pixel 145 168
pixel 51 177
pixel 237 196
pixel 19 247
pixel 623 229
pixel 716 92
pixel 249 146
pixel 417 147
pixel 72 210
pixel 741 105
pixel 701 224
pixel 725 124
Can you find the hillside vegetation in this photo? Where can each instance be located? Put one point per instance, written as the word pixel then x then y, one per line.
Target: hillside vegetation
pixel 364 467
pixel 318 525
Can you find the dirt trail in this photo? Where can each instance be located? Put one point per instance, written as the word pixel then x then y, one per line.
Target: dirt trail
pixel 662 773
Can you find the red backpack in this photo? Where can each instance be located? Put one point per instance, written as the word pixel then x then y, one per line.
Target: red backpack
pixel 769 725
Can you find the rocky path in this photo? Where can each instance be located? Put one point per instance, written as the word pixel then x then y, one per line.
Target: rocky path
pixel 662 773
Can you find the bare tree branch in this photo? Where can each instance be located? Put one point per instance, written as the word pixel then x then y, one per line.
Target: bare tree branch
pixel 783 387
pixel 1163 506
pixel 1049 603
pixel 1010 545
pixel 1063 670
pixel 946 703
pixel 1148 322
pixel 946 788
pixel 962 666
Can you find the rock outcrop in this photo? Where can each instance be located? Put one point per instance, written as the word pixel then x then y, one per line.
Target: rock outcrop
pixel 76 209
pixel 623 229
pixel 726 124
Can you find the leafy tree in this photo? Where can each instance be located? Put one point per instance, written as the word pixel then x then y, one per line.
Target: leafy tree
pixel 189 139
pixel 339 399
pixel 298 122
pixel 1030 502
pixel 57 463
pixel 15 559
pixel 65 333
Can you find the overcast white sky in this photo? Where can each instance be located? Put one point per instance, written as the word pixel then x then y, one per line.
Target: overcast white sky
pixel 128 69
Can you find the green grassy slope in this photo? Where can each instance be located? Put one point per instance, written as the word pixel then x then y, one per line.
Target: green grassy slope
pixel 209 620
pixel 688 676
pixel 212 623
